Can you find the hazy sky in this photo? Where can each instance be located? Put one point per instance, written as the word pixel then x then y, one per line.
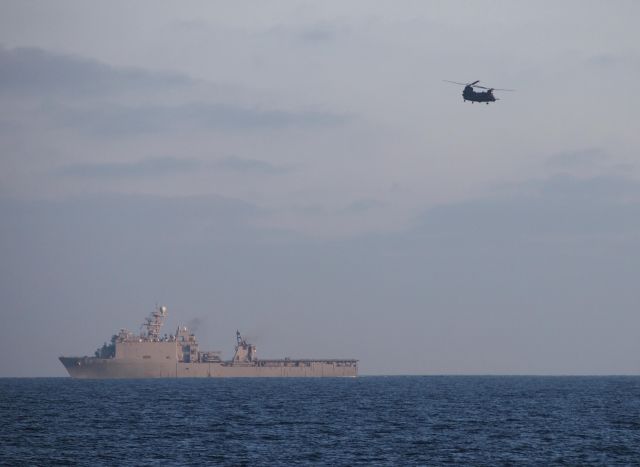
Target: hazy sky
pixel 300 171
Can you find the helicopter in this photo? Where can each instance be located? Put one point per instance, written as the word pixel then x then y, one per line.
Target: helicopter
pixel 468 94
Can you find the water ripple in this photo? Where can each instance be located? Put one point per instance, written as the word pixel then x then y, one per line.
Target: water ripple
pixel 361 421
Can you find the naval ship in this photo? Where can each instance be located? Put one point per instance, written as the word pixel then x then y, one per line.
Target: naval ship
pixel 152 355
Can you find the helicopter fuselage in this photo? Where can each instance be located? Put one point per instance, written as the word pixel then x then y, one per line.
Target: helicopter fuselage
pixel 468 94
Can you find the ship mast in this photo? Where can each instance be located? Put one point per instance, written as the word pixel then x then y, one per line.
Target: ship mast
pixel 154 322
pixel 239 340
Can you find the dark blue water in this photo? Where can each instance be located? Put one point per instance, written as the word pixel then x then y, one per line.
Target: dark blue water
pixel 366 420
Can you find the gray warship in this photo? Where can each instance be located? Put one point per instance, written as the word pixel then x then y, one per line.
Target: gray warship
pixel 152 355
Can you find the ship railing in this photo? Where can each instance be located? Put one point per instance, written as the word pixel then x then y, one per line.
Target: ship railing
pixel 307 362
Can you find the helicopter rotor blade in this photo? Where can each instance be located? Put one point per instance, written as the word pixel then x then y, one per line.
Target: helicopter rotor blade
pixel 494 89
pixel 475 85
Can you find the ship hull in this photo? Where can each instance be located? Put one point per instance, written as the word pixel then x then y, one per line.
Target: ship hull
pixel 112 368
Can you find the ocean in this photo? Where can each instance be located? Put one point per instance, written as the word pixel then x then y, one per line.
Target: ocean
pixel 409 420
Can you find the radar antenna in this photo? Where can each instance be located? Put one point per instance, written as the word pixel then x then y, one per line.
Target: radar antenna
pixel 154 322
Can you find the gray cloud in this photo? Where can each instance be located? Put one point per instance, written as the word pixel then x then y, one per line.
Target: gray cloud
pixel 614 62
pixel 362 206
pixel 110 120
pixel 245 165
pixel 324 32
pixel 134 220
pixel 524 283
pixel 146 167
pixel 557 207
pixel 320 32
pixel 158 166
pixel 90 92
pixel 616 190
pixel 581 158
pixel 36 72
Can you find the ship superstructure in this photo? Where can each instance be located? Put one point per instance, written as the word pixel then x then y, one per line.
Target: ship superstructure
pixel 153 355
